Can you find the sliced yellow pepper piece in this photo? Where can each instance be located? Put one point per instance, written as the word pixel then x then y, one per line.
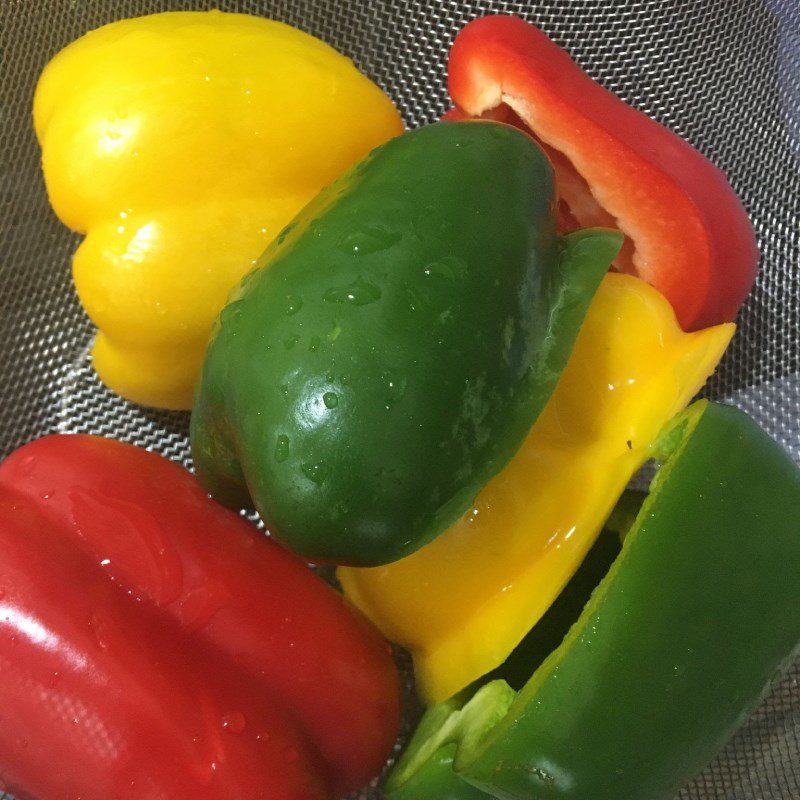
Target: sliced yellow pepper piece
pixel 462 603
pixel 181 143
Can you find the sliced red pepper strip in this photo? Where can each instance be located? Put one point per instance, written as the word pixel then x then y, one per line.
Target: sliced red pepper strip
pixel 113 519
pixel 688 233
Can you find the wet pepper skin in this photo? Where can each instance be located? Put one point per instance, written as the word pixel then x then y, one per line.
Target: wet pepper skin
pixel 180 144
pixel 686 231
pixel 155 645
pixel 674 649
pixel 395 346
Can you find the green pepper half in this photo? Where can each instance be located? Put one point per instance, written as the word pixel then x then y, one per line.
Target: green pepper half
pixel 695 618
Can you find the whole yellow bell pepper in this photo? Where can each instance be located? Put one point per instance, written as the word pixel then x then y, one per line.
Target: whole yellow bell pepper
pixel 181 144
pixel 462 603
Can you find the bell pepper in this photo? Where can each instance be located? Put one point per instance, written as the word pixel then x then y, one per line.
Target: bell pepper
pixel 180 144
pixel 674 649
pixel 155 644
pixel 462 603
pixel 393 349
pixel 686 231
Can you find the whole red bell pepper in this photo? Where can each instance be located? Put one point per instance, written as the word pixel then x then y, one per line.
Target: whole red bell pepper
pixel 686 231
pixel 156 645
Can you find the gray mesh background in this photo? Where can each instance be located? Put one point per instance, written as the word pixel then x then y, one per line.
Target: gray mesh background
pixel 722 73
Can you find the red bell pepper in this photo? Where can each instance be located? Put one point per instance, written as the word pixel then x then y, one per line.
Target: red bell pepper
pixel 686 231
pixel 155 645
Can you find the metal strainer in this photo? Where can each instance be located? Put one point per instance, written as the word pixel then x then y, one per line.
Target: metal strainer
pixel 725 74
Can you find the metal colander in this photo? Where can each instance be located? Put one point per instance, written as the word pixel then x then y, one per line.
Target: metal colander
pixel 725 74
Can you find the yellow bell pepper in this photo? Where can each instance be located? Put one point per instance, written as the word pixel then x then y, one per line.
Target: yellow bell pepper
pixel 181 144
pixel 462 603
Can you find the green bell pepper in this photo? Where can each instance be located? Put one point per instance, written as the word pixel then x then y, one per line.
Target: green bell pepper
pixel 395 344
pixel 698 614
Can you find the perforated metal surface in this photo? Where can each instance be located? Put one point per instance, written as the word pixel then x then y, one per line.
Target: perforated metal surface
pixel 722 73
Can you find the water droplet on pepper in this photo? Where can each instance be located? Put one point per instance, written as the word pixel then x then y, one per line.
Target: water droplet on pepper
pixel 371 239
pixel 452 268
pixel 235 722
pixel 357 293
pixel 394 387
pixel 315 472
pixel 282 449
pixel 293 304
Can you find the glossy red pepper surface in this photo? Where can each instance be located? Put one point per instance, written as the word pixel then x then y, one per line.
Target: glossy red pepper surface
pixel 687 233
pixel 155 645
